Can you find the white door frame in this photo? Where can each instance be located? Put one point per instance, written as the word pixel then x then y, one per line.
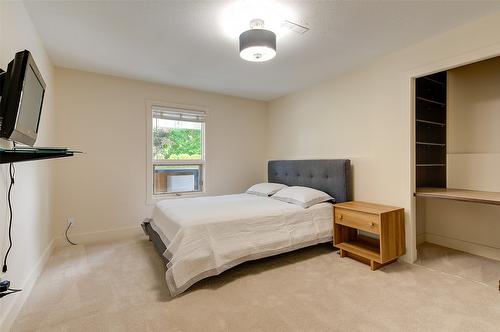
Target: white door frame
pixel 476 55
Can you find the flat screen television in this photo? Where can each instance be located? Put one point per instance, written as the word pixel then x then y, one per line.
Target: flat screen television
pixel 22 98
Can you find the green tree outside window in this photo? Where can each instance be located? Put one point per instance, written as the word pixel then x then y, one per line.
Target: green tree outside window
pixel 176 143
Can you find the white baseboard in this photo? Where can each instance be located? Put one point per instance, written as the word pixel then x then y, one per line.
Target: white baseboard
pixel 104 235
pixel 470 247
pixel 10 315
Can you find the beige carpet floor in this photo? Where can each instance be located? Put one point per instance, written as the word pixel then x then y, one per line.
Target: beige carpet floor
pixel 119 286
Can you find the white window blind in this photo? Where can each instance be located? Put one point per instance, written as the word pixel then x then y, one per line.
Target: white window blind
pixel 178 114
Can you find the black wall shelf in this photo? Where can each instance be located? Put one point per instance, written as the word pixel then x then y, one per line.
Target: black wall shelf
pixel 431 122
pixel 431 165
pixel 429 143
pixel 429 78
pixel 19 155
pixel 431 101
pixel 430 130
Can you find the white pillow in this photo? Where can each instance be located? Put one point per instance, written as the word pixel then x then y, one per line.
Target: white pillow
pixel 265 189
pixel 302 196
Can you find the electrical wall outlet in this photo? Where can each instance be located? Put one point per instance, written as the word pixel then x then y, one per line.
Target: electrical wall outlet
pixel 71 220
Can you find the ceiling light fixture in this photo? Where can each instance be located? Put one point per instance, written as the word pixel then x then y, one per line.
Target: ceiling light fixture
pixel 257 44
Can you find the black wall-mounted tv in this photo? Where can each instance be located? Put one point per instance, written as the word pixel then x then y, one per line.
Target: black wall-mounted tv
pixel 22 98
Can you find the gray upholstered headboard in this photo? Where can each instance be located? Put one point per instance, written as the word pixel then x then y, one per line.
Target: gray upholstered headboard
pixel 332 176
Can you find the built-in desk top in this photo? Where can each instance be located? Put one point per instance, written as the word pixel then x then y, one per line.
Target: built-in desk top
pixel 464 195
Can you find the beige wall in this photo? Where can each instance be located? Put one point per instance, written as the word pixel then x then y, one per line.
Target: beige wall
pixel 32 193
pixel 473 126
pixel 105 117
pixel 365 115
pixel 474 108
pixel 473 162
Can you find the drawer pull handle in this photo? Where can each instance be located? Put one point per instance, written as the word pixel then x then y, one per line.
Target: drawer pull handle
pixel 372 224
pixel 341 217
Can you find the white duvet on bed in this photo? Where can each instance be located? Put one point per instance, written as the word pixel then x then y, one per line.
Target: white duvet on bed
pixel 209 235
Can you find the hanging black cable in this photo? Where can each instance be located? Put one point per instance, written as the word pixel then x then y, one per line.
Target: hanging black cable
pixel 12 173
pixel 66 234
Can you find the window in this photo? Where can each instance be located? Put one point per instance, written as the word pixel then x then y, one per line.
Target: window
pixel 177 150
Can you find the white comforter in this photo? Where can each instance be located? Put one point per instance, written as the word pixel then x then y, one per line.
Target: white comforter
pixel 209 235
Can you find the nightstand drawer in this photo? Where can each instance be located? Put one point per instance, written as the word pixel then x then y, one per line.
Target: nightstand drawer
pixel 361 220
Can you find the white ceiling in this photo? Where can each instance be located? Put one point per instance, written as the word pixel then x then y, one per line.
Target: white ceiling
pixel 185 43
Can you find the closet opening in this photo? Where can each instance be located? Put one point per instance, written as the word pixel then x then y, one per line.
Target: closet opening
pixel 457 158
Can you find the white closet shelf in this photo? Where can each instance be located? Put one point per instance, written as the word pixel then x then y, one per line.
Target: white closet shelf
pixel 463 195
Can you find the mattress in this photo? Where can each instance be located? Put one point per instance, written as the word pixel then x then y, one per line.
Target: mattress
pixel 208 235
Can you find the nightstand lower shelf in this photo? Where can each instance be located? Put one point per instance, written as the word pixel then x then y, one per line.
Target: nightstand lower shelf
pixel 365 250
pixel 354 220
pixel 363 247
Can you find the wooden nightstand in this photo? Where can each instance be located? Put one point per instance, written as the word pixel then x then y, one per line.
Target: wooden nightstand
pixel 386 222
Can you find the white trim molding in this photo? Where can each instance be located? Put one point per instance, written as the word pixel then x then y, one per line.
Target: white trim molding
pixel 104 235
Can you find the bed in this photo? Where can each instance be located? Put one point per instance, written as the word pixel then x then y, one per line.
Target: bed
pixel 204 236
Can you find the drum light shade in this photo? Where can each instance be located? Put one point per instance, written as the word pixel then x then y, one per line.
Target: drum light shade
pixel 257 45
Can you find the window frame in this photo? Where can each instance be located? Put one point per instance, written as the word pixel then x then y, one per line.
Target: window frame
pixel 151 198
